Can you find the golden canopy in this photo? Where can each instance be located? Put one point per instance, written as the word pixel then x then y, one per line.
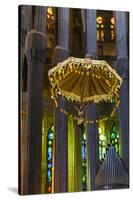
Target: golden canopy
pixel 84 80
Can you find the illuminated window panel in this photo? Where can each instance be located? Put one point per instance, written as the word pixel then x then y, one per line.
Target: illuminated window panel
pixel 99 20
pixel 50 20
pixel 112 20
pixel 105 29
pixel 114 137
pixel 112 26
pixel 102 141
pixel 112 31
pixel 100 29
pixel 112 35
pixel 50 139
pixel 98 35
pixel 84 161
pixel 102 35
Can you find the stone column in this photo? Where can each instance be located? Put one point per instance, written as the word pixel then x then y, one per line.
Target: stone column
pixel 123 70
pixel 40 18
pixel 40 25
pixel 91 39
pixel 121 34
pixel 25 24
pixel 92 147
pixel 74 157
pixel 61 138
pixel 35 49
pixel 71 154
pixel 63 27
pixel 92 134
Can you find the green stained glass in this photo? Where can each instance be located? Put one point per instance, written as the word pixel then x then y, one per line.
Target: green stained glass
pixel 114 138
pixel 103 150
pixel 102 141
pixel 102 137
pixel 113 135
pixel 50 142
pixel 83 179
pixel 114 128
pixel 52 128
pixel 84 136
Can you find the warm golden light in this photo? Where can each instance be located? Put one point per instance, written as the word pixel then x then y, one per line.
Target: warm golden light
pixel 112 20
pixel 99 20
pixel 49 10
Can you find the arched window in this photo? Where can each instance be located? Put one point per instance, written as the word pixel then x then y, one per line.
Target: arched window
pixel 84 161
pixel 100 29
pixel 50 139
pixel 114 137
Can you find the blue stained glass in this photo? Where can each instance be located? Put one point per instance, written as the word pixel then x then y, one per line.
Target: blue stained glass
pixel 51 136
pixel 49 165
pixel 84 158
pixel 49 153
pixel 83 152
pixel 49 173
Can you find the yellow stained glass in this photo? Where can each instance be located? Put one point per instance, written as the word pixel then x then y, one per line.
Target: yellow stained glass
pixel 99 20
pixel 112 20
pixel 112 35
pixel 49 10
pixel 102 35
pixel 112 26
pixel 98 38
pixel 48 16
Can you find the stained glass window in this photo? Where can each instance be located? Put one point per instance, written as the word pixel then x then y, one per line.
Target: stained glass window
pixel 100 29
pixel 84 161
pixel 50 139
pixel 102 141
pixel 105 28
pixel 114 137
pixel 50 20
pixel 109 137
pixel 112 26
